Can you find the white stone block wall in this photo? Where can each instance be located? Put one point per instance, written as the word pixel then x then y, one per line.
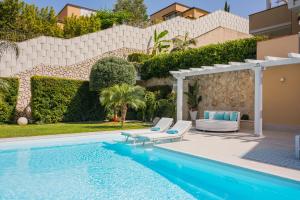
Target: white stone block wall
pixel 63 52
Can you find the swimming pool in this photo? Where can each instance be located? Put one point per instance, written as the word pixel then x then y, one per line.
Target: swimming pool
pixel 108 170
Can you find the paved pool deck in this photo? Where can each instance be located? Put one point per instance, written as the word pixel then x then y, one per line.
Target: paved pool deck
pixel 273 153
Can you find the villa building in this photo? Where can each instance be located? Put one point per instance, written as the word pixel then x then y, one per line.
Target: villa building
pixel 275 21
pixel 178 9
pixel 280 99
pixel 71 9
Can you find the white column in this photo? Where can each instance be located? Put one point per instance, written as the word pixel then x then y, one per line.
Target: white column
pixel 179 97
pixel 258 101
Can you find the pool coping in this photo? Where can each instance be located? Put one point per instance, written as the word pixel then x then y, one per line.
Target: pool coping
pixel 59 139
pixel 265 168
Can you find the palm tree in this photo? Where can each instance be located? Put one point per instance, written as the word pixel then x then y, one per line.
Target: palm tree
pixel 8 45
pixel 159 44
pixel 121 97
pixel 106 100
pixel 183 44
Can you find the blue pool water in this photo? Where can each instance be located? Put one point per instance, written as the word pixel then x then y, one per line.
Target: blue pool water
pixel 115 171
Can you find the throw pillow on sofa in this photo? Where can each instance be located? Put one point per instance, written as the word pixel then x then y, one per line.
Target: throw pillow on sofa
pixel 234 116
pixel 219 116
pixel 227 116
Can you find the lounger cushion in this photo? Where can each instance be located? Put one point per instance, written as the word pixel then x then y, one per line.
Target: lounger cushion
pixel 155 129
pixel 172 131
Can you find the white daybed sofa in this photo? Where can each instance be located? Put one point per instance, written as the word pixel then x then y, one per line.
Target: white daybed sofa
pixel 215 123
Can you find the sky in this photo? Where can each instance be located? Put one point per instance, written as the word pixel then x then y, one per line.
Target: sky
pixel 239 7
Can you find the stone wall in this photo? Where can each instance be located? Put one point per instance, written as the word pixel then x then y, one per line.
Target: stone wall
pixel 224 91
pixel 51 51
pixel 79 71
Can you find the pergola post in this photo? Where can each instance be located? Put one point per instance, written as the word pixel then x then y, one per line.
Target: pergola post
pixel 258 130
pixel 179 99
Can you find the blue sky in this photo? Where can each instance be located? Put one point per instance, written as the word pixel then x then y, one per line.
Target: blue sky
pixel 239 7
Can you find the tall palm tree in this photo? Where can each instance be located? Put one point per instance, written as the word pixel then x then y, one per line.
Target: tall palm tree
pixel 6 45
pixel 121 97
pixel 160 45
pixel 183 44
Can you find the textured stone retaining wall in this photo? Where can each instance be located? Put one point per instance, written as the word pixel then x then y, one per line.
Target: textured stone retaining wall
pixel 224 91
pixel 80 71
pixel 62 52
pixel 73 58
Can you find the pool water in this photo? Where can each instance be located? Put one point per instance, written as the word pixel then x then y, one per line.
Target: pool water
pixel 108 171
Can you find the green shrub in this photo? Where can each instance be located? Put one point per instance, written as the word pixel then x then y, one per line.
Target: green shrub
pixel 238 50
pixel 167 107
pixel 157 106
pixel 9 100
pixel 64 100
pixel 111 71
pixel 162 91
pixel 138 57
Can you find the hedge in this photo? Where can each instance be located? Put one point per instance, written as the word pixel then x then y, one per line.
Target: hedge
pixel 237 50
pixel 8 106
pixel 138 57
pixel 64 100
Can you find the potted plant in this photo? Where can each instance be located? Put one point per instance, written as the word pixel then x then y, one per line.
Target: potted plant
pixel 193 100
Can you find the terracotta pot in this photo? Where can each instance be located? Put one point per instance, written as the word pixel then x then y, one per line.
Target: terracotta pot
pixel 116 119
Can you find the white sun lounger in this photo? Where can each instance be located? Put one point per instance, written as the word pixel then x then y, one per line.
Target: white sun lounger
pixel 181 126
pixel 163 124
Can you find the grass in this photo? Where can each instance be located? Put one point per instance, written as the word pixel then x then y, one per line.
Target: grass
pixel 8 131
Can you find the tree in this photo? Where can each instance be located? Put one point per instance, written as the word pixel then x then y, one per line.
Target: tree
pixel 109 18
pixel 226 7
pixel 137 8
pixel 111 71
pixel 182 44
pixel 160 45
pixel 75 26
pixel 27 20
pixel 122 97
pixel 10 11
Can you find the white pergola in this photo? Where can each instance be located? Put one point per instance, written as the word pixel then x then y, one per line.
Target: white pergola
pixel 258 66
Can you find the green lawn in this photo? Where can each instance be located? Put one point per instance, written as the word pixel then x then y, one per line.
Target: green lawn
pixel 7 131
